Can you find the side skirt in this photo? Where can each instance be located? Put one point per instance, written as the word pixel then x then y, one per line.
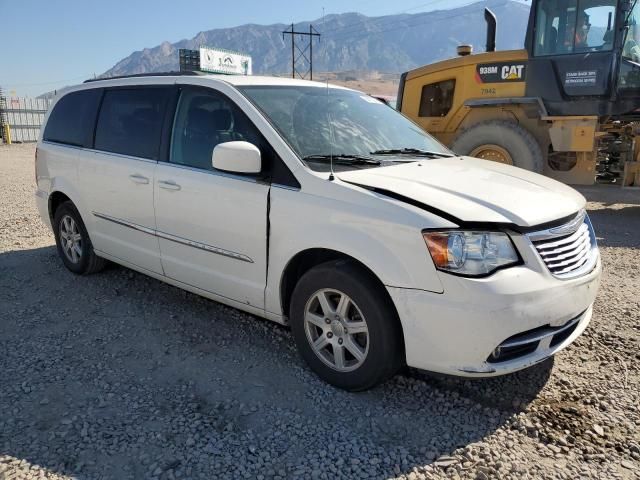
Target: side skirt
pixel 198 291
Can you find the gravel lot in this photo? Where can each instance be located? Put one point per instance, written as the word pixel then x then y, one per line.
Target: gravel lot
pixel 117 375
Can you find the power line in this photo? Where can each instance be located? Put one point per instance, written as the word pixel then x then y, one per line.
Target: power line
pixel 380 19
pixel 286 74
pixel 302 52
pixel 410 25
pixel 383 21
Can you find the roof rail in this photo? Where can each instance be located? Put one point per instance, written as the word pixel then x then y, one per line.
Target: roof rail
pixel 156 74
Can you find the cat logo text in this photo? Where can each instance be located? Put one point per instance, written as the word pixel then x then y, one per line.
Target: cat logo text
pixel 501 72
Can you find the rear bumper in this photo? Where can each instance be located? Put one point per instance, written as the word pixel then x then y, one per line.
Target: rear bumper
pixel 528 314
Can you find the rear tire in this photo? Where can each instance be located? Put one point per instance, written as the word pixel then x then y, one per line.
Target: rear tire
pixel 73 242
pixel 345 326
pixel 518 142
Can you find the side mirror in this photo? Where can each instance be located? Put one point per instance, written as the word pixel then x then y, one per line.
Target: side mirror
pixel 237 157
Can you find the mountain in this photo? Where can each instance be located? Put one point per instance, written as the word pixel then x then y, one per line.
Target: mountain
pixel 351 41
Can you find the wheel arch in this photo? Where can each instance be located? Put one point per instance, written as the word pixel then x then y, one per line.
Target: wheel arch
pixel 512 135
pixel 305 260
pixel 63 189
pixel 534 106
pixel 526 112
pixel 56 199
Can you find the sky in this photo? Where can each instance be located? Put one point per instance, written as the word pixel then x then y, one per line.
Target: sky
pixel 48 44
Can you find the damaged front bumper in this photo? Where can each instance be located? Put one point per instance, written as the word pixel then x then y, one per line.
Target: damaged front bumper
pixel 496 325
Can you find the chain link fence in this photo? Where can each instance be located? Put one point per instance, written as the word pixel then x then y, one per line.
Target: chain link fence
pixel 21 118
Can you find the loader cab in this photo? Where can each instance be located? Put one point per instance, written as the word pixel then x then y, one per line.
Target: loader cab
pixel 581 56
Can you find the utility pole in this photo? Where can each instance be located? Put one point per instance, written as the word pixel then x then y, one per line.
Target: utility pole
pixel 302 52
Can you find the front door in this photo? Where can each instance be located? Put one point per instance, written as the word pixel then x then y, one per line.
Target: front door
pixel 212 226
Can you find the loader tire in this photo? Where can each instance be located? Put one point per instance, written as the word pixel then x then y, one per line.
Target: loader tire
pixel 502 141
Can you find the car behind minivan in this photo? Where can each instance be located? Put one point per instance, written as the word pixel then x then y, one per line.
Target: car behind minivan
pixel 319 207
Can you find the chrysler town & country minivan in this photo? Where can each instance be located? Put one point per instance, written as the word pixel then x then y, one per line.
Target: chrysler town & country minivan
pixel 322 208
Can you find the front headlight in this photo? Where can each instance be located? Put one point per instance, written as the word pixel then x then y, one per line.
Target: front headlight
pixel 470 253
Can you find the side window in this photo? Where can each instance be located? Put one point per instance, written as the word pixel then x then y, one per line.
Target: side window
pixel 629 77
pixel 600 25
pixel 437 99
pixel 73 117
pixel 203 120
pixel 631 45
pixel 130 121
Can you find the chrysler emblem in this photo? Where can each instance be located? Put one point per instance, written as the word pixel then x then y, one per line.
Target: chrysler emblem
pixel 570 227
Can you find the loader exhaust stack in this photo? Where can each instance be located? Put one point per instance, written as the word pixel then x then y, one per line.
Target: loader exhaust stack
pixel 492 23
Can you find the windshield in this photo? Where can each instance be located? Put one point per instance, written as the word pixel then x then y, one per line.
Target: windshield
pixel 319 122
pixel 574 26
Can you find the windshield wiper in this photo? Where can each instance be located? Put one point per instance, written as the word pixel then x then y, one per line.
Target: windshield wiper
pixel 344 159
pixel 411 151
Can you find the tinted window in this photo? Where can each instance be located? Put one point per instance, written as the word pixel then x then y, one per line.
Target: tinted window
pixel 130 121
pixel 73 117
pixel 436 99
pixel 203 120
pixel 573 26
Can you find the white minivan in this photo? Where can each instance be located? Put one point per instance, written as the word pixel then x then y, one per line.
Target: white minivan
pixel 322 208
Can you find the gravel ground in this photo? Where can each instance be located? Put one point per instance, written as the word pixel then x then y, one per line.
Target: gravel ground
pixel 117 375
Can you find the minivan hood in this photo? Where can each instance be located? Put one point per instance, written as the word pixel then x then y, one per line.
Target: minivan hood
pixel 474 190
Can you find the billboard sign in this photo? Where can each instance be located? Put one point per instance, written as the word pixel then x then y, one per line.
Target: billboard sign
pixel 216 60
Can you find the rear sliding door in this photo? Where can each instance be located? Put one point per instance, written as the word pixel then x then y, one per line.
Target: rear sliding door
pixel 118 178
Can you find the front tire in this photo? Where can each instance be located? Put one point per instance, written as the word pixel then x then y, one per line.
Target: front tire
pixel 345 326
pixel 73 242
pixel 501 141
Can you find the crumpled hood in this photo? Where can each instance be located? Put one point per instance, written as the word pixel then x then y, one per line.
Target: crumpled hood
pixel 475 190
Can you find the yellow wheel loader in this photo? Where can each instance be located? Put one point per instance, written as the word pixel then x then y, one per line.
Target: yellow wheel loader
pixel 566 105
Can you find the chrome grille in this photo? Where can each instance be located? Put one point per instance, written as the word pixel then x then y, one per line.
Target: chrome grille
pixel 570 250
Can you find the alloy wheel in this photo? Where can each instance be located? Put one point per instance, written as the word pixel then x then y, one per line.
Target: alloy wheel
pixel 70 239
pixel 336 330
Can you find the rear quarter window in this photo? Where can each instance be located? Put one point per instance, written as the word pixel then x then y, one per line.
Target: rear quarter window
pixel 130 121
pixel 72 119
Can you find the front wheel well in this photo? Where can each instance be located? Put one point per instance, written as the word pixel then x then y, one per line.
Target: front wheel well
pixel 304 261
pixel 55 200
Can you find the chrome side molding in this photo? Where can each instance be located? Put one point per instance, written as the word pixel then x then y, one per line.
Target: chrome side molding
pixel 175 238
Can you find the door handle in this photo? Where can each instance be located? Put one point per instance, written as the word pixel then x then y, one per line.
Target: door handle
pixel 168 185
pixel 137 178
